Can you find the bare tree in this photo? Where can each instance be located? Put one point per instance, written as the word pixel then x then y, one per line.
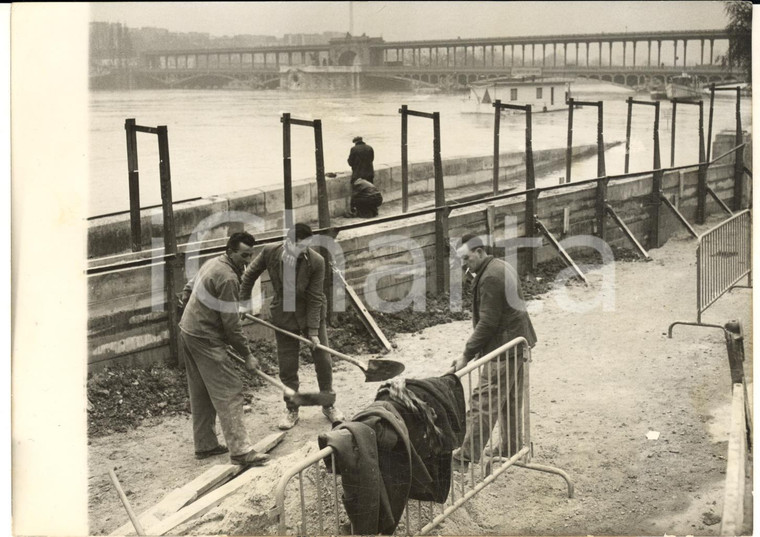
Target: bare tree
pixel 739 29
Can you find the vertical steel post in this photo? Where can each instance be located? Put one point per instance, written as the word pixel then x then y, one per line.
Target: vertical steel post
pixel 496 128
pixel 738 156
pixel 442 217
pixel 323 206
pixel 531 199
pixel 569 150
pixel 654 231
pixel 601 185
pixel 287 173
pixel 134 185
pixel 708 153
pixel 323 211
pixel 404 160
pixel 673 135
pixel 628 135
pixel 702 173
pixel 170 240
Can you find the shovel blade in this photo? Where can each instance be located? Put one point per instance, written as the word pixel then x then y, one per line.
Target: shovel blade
pixel 379 370
pixel 313 399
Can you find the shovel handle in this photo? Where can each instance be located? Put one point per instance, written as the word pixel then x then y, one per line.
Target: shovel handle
pixel 335 353
pixel 289 392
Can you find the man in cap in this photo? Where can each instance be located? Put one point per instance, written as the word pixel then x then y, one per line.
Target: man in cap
pixel 209 323
pixel 498 316
pixel 365 196
pixel 360 159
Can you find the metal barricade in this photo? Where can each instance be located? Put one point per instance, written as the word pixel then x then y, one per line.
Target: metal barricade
pixel 724 258
pixel 500 376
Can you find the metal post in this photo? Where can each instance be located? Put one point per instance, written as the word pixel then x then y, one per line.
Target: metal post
pixel 170 240
pixel 601 185
pixel 134 185
pixel 702 173
pixel 673 134
pixel 628 135
pixel 287 173
pixel 656 182
pixel 531 199
pixel 569 150
pixel 739 156
pixel 404 160
pixel 710 123
pixel 441 221
pixel 323 211
pixel 323 206
pixel 496 128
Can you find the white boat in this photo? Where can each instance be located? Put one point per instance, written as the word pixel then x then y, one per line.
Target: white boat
pixel 543 94
pixel 684 87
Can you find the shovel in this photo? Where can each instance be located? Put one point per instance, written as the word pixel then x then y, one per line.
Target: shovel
pixel 374 370
pixel 297 398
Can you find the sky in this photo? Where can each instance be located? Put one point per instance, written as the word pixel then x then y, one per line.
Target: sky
pixel 415 20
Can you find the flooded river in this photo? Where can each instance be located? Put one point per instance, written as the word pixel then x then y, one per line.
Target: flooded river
pixel 222 141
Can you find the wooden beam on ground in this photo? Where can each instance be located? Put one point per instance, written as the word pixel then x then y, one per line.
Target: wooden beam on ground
pixel 364 315
pixel 627 232
pixel 210 479
pixel 733 499
pixel 562 252
pixel 206 503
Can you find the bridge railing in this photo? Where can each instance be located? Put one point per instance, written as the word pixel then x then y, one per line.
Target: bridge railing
pixel 318 509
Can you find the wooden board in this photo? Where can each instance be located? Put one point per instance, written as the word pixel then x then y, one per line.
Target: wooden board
pixel 364 315
pixel 179 498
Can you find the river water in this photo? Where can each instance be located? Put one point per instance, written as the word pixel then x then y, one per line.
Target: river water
pixel 222 141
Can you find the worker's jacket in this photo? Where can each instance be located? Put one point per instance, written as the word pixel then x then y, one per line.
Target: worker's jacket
pixel 498 309
pixel 212 297
pixel 360 159
pixel 310 302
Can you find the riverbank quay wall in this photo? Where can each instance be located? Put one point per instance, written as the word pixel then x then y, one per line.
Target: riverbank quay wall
pixel 127 325
pixel 110 235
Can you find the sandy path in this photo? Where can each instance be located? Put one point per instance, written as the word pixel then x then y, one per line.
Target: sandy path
pixel 600 381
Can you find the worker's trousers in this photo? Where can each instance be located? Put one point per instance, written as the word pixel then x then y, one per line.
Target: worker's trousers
pixel 498 397
pixel 215 389
pixel 287 358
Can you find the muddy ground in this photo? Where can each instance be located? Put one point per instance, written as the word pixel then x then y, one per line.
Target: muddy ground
pixel 601 379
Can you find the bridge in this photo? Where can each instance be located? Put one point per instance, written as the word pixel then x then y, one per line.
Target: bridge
pixel 630 58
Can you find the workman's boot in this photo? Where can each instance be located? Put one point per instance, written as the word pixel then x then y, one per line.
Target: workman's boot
pixel 333 414
pixel 252 458
pixel 289 420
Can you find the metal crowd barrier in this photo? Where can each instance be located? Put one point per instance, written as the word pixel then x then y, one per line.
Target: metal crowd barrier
pixel 724 258
pixel 319 502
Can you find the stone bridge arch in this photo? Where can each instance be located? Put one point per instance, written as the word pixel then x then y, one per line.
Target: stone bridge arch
pixel 347 57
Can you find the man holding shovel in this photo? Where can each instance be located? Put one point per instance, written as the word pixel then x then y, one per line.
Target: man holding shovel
pixel 297 273
pixel 210 321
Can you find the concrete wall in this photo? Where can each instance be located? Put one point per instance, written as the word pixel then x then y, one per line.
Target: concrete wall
pixel 111 235
pixel 127 324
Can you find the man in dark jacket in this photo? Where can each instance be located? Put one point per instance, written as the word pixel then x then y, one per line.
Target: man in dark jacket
pixel 498 316
pixel 295 272
pixel 365 199
pixel 360 159
pixel 210 321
